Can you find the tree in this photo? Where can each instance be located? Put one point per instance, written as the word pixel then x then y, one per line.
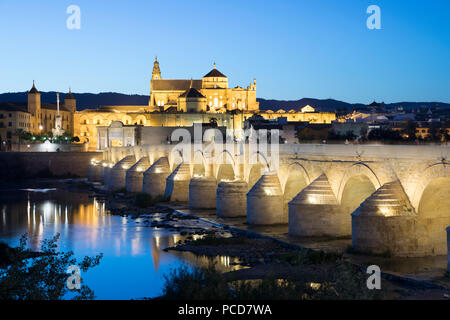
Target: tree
pixel 43 277
pixel 22 135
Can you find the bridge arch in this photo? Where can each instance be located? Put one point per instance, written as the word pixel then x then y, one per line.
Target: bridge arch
pixel 297 179
pixel 434 171
pixel 357 170
pixel 433 209
pixel 226 168
pixel 199 164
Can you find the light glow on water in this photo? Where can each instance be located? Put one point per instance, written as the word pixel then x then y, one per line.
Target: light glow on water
pixel 133 261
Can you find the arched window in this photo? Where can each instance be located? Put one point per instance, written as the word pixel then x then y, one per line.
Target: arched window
pixel 216 102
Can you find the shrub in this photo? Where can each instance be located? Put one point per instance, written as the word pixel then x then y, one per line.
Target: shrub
pixel 44 276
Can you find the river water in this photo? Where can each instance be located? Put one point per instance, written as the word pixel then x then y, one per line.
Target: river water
pixel 133 264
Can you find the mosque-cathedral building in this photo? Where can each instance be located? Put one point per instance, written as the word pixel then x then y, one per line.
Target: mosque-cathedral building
pixel 172 103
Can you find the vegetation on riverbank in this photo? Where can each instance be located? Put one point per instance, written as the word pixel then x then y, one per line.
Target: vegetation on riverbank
pixel 209 284
pixel 42 276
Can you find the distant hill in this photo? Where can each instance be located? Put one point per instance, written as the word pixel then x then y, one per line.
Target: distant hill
pixel 322 105
pixel 95 100
pixel 84 100
pixel 333 105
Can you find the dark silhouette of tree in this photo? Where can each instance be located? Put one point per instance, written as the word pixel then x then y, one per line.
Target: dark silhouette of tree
pixel 44 276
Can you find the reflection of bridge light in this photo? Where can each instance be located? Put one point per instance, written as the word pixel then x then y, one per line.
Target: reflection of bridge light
pixel 47 210
pixel 124 167
pixel 268 191
pixel 28 211
pixel 139 169
pixel 4 215
pixel 158 170
pixel 225 261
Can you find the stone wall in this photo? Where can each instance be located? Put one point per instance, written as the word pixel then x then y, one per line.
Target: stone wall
pixel 30 164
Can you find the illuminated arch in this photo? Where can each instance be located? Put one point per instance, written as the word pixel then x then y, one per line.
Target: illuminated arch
pixel 357 169
pixel 437 170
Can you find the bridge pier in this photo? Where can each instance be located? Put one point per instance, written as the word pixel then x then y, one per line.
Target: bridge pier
pixel 118 173
pixel 106 169
pixel 316 212
pixel 232 199
pixel 154 182
pixel 265 201
pixel 386 223
pixel 448 251
pixel 94 172
pixel 202 192
pixel 135 175
pixel 177 184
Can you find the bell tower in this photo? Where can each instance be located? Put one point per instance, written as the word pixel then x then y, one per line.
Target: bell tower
pixel 156 74
pixel 34 107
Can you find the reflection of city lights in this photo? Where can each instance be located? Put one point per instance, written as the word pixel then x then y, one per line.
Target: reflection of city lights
pixel 124 167
pixel 315 286
pixel 268 191
pixel 139 169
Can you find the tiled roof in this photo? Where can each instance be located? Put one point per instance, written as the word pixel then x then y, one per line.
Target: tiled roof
pixel 12 106
pixel 50 106
pixel 192 93
pixel 175 85
pixel 214 73
pixel 33 89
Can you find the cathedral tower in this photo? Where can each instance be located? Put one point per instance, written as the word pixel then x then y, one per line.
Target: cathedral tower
pixel 34 107
pixel 156 74
pixel 70 103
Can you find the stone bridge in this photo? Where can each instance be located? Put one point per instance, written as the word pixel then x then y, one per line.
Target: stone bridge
pixel 388 198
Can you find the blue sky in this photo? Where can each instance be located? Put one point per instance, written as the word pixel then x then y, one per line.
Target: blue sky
pixel 295 49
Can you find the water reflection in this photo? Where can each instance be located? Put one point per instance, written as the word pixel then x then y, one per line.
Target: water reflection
pixel 134 261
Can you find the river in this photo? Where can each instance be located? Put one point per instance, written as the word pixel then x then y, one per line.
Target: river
pixel 134 263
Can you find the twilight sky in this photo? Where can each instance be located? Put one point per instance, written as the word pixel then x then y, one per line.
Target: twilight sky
pixel 295 49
